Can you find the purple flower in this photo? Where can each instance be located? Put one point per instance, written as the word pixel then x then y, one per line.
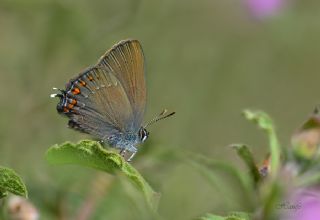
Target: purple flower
pixel 264 8
pixel 306 203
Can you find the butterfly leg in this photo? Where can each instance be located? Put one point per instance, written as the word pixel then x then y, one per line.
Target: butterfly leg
pixel 132 155
pixel 123 152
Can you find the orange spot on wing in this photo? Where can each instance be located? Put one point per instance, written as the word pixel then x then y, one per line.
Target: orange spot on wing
pixel 73 102
pixel 76 91
pixel 70 106
pixel 83 83
pixel 65 109
pixel 90 77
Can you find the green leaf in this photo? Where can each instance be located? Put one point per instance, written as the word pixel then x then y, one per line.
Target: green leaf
pixel 244 152
pixel 3 194
pixel 92 154
pixel 232 216
pixel 239 216
pixel 271 195
pixel 212 217
pixel 10 181
pixel 264 122
pixel 239 187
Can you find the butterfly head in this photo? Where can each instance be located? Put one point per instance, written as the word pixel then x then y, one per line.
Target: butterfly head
pixel 143 134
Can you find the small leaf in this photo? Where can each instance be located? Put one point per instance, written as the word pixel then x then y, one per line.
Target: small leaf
pixel 92 154
pixel 264 122
pixel 11 182
pixel 244 152
pixel 260 118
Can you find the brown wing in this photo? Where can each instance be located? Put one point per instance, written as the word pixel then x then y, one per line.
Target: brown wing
pixel 96 103
pixel 125 61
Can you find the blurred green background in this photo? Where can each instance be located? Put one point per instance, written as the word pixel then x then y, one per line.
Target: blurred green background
pixel 207 60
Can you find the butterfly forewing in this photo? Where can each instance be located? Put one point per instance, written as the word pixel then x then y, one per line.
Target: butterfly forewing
pixel 109 98
pixel 126 62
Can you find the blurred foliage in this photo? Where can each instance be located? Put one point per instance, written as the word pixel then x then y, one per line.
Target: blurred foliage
pixel 91 154
pixel 245 153
pixel 233 216
pixel 11 182
pixel 277 194
pixel 264 122
pixel 206 60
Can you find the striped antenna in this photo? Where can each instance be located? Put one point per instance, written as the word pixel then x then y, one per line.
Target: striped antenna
pixel 161 116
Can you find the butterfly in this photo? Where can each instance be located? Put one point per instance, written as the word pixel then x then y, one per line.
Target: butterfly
pixel 108 100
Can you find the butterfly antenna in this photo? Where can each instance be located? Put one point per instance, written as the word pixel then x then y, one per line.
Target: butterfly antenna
pixel 161 116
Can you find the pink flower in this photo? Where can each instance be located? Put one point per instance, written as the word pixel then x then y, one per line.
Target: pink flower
pixel 264 8
pixel 306 203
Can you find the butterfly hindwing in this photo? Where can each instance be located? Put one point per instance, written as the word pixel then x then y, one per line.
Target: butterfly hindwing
pixel 96 103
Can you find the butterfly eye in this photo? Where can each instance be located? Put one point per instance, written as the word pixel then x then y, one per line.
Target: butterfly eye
pixel 143 134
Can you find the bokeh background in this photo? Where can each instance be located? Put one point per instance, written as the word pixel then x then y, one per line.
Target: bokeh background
pixel 207 60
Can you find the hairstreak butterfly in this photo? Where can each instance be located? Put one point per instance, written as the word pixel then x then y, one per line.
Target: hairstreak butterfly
pixel 108 100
